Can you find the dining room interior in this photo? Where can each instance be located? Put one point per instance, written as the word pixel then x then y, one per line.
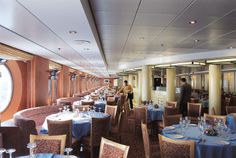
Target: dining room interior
pixel 118 78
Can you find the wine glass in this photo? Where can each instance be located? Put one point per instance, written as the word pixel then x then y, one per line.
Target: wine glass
pixel 68 150
pixel 31 147
pixel 10 151
pixel 99 109
pixel 2 150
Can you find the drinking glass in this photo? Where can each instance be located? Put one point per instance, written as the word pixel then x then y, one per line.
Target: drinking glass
pixel 68 150
pixel 10 151
pixel 2 150
pixel 99 109
pixel 31 147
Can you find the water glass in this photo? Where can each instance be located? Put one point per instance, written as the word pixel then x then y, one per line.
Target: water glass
pixel 2 150
pixel 99 109
pixel 31 147
pixel 68 150
pixel 10 152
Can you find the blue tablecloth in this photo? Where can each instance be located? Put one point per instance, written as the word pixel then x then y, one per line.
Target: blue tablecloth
pixel 80 125
pixel 209 148
pixel 231 121
pixel 48 155
pixel 154 114
pixel 100 104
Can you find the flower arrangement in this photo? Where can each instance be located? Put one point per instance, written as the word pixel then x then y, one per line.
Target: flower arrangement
pixel 211 131
pixel 156 106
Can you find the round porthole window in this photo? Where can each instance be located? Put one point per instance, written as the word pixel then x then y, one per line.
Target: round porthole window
pixel 6 87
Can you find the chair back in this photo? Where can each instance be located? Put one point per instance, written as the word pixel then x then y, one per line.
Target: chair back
pixel 94 97
pixel 111 110
pixel 140 114
pixel 146 141
pixel 127 109
pixel 61 128
pixel 110 149
pixel 227 101
pixel 119 123
pixel 171 111
pixel 194 109
pixel 176 148
pixel 111 98
pixel 91 103
pixel 83 107
pixel 49 144
pixel 99 129
pixel 172 104
pixel 123 100
pixel 230 109
pixel 211 119
pixel 171 119
pixel 111 102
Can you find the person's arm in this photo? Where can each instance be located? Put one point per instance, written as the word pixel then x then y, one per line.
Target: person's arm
pixel 119 91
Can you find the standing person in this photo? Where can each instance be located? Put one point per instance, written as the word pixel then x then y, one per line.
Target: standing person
pixel 185 94
pixel 128 89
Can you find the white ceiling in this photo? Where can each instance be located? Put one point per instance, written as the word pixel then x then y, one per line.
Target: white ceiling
pixel 41 27
pixel 136 32
pixel 130 33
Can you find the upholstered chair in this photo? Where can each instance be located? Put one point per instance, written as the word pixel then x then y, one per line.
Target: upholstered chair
pixel 116 130
pixel 148 148
pixel 83 107
pixel 171 148
pixel 61 128
pixel 171 111
pixel 194 111
pixel 99 129
pixel 91 103
pixel 230 109
pixel 111 110
pixel 211 119
pixel 172 104
pixel 49 144
pixel 110 149
pixel 171 120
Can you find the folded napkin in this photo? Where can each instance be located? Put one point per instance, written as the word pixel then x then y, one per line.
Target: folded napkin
pixel 43 131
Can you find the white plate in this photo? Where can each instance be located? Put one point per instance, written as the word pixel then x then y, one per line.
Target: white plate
pixel 192 125
pixel 169 128
pixel 222 142
pixel 177 136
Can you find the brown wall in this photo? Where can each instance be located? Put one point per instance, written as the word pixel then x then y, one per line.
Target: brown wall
pixel 64 82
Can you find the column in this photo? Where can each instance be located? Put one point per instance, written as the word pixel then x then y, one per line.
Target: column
pixel 146 89
pixel 130 80
pixel 215 88
pixel 136 81
pixel 139 86
pixel 170 84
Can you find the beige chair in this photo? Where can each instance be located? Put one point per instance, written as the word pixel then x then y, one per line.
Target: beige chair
pixel 171 148
pixel 148 148
pixel 110 149
pixel 91 103
pixel 99 129
pixel 194 111
pixel 210 119
pixel 49 144
pixel 140 114
pixel 171 120
pixel 83 107
pixel 172 104
pixel 230 109
pixel 111 110
pixel 61 128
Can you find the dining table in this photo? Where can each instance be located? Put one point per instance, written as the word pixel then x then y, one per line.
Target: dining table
pixel 223 146
pixel 154 113
pixel 99 104
pixel 81 121
pixel 231 121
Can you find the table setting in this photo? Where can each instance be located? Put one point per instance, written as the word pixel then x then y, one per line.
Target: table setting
pixel 211 141
pixel 154 111
pixel 81 121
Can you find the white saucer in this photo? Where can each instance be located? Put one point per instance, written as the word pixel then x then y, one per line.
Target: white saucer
pixel 177 136
pixel 169 128
pixel 222 142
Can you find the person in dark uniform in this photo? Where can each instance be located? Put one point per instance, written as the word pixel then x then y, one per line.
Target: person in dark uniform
pixel 185 95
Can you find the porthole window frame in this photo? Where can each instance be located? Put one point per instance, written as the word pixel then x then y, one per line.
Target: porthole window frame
pixel 12 89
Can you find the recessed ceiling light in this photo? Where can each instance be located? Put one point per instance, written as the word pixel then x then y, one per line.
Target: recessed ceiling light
pixel 86 49
pixel 73 32
pixel 82 42
pixel 196 40
pixel 142 38
pixel 230 47
pixel 192 22
pixel 162 45
pixel 59 49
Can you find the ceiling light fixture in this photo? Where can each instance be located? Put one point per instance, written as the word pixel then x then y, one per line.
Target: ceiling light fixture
pixel 192 22
pixel 230 47
pixel 220 60
pixel 59 49
pixel 183 63
pixel 82 42
pixel 86 49
pixel 72 32
pixel 163 65
pixel 142 38
pixel 196 40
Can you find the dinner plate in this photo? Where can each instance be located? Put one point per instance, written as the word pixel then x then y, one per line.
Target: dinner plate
pixel 169 128
pixel 192 125
pixel 177 136
pixel 222 142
